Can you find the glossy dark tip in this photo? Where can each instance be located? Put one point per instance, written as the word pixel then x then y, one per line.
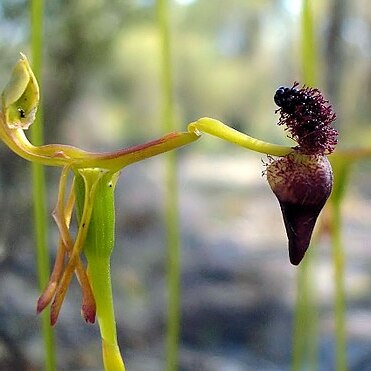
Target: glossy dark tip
pixel 286 98
pixel 302 185
pixel 299 222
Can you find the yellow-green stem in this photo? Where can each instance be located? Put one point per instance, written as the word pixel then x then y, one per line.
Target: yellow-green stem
pixel 38 180
pixel 308 45
pixel 340 306
pixel 298 344
pixel 98 247
pixel 341 167
pixel 305 321
pixel 305 347
pixel 100 279
pixel 171 201
pixel 172 265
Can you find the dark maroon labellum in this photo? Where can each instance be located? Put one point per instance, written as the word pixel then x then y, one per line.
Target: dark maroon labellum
pixel 302 185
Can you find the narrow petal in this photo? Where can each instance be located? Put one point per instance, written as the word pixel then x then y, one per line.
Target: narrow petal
pixel 49 292
pixel 91 179
pixel 62 216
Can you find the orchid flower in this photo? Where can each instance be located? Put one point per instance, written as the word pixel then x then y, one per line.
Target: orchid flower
pixel 300 177
pixel 86 186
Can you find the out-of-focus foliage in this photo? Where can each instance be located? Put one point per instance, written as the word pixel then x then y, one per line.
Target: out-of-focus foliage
pixel 101 63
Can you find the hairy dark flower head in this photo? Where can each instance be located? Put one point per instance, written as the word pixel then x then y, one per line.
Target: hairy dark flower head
pixel 308 117
pixel 302 180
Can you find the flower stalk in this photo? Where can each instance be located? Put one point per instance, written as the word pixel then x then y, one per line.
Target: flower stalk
pixel 98 248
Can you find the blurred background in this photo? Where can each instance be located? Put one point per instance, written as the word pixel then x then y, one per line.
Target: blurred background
pixel 101 92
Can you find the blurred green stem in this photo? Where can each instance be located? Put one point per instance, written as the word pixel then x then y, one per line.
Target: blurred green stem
pixel 171 202
pixel 341 167
pixel 306 319
pixel 308 45
pixel 340 308
pixel 305 335
pixel 38 180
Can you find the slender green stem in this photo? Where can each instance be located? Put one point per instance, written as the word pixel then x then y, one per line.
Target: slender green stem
pixel 101 282
pixel 95 191
pixel 299 341
pixel 37 10
pixel 308 45
pixel 341 168
pixel 306 319
pixel 100 278
pixel 171 212
pixel 340 306
pixel 38 180
pixel 173 266
pixel 305 347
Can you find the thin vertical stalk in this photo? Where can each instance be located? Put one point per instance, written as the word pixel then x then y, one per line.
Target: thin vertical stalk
pixel 298 344
pixel 171 202
pixel 38 180
pixel 340 307
pixel 308 45
pixel 341 168
pixel 305 347
pixel 95 194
